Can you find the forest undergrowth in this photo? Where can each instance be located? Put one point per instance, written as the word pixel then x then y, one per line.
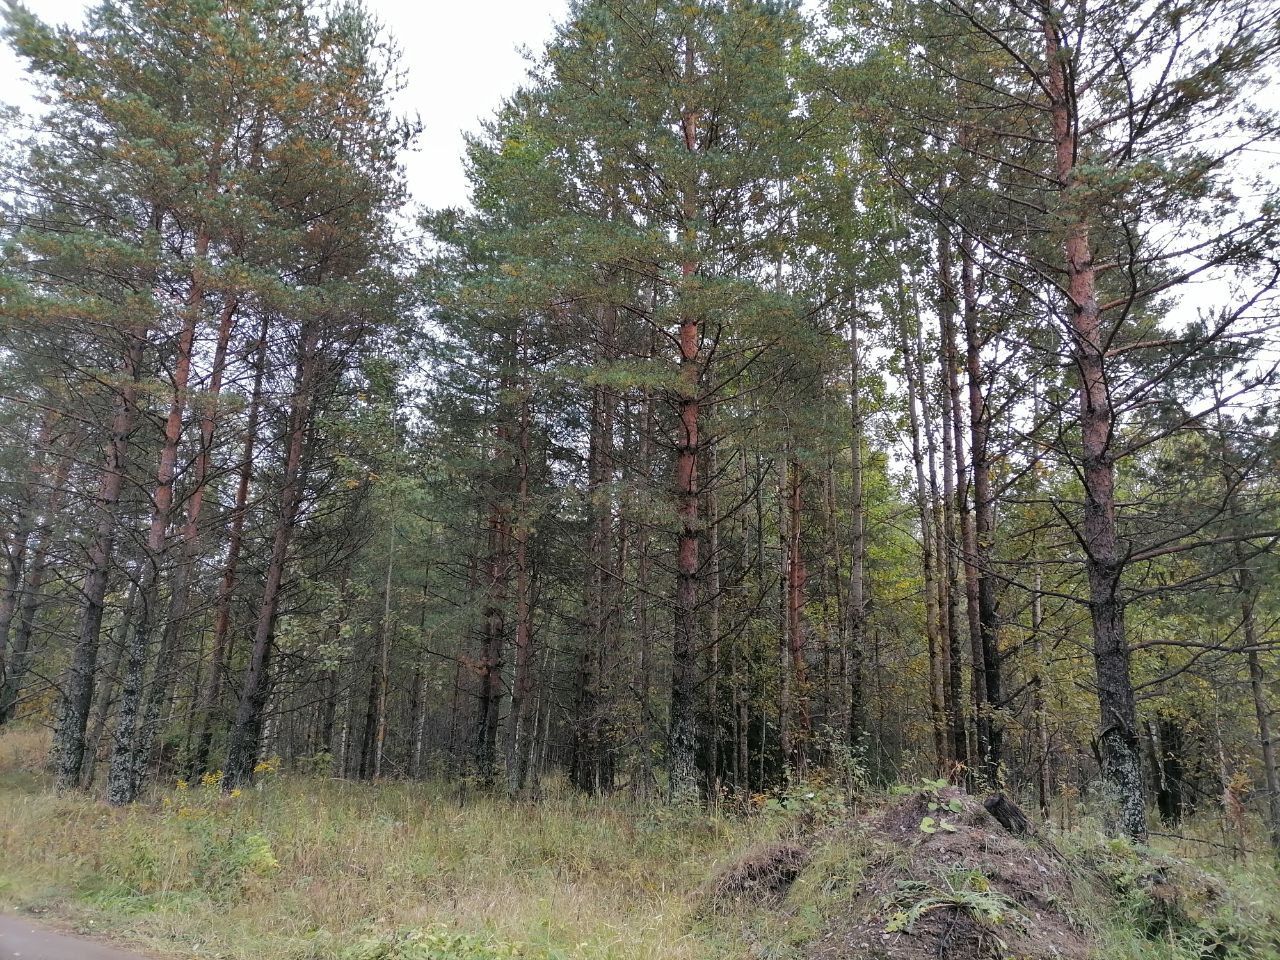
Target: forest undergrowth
pixel 307 868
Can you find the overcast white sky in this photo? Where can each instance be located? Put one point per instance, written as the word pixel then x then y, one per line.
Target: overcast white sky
pixel 462 58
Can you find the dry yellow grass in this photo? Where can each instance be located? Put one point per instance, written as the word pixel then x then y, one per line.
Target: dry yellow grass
pixel 310 868
pixel 23 749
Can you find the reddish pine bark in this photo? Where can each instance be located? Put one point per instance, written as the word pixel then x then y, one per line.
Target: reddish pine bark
pixel 1103 562
pixel 130 746
pixel 211 689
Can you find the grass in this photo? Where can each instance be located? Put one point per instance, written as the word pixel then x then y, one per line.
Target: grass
pixel 1158 905
pixel 315 869
pixel 304 868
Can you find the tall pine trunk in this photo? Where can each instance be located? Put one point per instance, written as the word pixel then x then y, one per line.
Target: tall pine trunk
pixel 923 485
pixel 211 689
pixel 129 749
pixel 384 659
pixel 983 524
pixel 682 746
pixel 520 726
pixel 189 542
pixel 644 780
pixel 797 575
pixel 494 616
pixel 77 688
pixel 242 749
pixel 959 523
pixel 1117 704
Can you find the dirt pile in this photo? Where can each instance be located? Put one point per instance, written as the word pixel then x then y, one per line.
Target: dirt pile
pixel 944 879
pixel 933 876
pixel 760 876
pixel 939 875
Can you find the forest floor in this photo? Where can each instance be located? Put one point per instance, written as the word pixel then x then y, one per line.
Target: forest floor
pixel 303 868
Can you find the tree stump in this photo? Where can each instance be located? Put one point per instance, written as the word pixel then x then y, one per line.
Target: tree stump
pixel 1008 814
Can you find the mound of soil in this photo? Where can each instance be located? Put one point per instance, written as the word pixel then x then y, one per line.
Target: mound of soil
pixel 763 874
pixel 945 880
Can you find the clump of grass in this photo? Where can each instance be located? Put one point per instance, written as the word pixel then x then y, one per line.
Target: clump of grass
pixel 316 869
pixel 1157 906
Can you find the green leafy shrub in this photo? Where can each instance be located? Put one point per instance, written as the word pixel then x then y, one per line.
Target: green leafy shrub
pixel 810 804
pixel 967 890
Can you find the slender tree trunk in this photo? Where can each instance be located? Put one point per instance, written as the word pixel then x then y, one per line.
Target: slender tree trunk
pixel 12 586
pixel 786 666
pixel 858 548
pixel 958 526
pixel 682 747
pixel 189 548
pixel 18 661
pixel 1039 701
pixel 19 540
pixel 384 659
pixel 932 614
pixel 104 699
pixel 518 726
pixel 645 780
pixel 939 661
pixel 73 714
pixel 497 567
pixel 331 673
pixel 984 522
pixel 968 542
pixel 1039 707
pixel 590 749
pixel 1247 596
pixel 545 704
pixel 1262 709
pixel 835 646
pixel 328 711
pixel 752 548
pixel 797 576
pixel 455 747
pixel 211 691
pixel 368 732
pixel 713 627
pixel 130 747
pixel 948 568
pixel 1103 560
pixel 242 749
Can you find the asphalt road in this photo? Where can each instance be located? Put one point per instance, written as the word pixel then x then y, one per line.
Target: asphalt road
pixel 24 939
